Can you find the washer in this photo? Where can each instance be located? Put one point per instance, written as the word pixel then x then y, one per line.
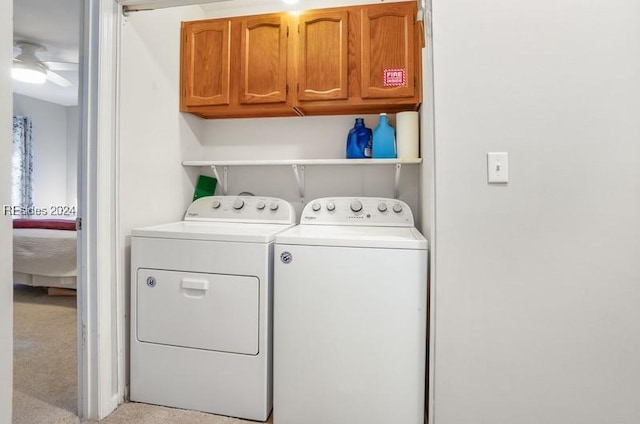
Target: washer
pixel 350 291
pixel 201 307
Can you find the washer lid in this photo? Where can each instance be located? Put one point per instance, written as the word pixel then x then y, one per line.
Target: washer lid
pixel 213 231
pixel 354 236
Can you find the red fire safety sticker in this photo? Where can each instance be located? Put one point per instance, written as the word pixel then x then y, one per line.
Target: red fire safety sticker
pixel 396 77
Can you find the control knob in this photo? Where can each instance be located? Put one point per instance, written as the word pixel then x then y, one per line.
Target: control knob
pixel 261 205
pixel 215 204
pixel 397 208
pixel 315 206
pixel 382 207
pixel 274 206
pixel 356 206
pixel 331 206
pixel 238 204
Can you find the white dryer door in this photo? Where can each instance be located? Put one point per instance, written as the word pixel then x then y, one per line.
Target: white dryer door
pixel 201 311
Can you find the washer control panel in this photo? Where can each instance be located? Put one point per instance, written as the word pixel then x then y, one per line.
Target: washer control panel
pixel 370 211
pixel 256 209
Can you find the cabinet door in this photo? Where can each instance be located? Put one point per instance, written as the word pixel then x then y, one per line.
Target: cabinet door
pixel 205 63
pixel 388 50
pixel 323 56
pixel 263 60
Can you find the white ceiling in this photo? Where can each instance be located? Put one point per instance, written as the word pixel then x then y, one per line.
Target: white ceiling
pixel 56 25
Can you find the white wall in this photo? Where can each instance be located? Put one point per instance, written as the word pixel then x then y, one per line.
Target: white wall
pixel 6 249
pixel 73 139
pixel 537 282
pixel 294 138
pixel 154 136
pixel 50 150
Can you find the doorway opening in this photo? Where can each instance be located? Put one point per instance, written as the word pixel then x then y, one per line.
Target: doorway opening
pixel 46 139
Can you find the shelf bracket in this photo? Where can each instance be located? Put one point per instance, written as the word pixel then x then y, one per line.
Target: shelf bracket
pixel 298 172
pixel 396 181
pixel 223 180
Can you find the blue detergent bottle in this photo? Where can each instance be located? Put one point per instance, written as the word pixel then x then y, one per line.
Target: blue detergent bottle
pixel 384 139
pixel 359 141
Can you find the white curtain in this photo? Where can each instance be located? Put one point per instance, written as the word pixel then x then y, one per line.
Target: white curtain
pixel 22 164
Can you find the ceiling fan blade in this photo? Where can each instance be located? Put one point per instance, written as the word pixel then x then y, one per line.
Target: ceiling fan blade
pixel 61 66
pixel 57 79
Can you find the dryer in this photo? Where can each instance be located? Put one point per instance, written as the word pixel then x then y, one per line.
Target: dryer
pixel 201 307
pixel 350 293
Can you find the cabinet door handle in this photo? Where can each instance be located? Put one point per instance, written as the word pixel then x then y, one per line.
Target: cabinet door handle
pixel 191 284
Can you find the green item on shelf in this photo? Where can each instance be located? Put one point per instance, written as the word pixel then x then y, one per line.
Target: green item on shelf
pixel 206 187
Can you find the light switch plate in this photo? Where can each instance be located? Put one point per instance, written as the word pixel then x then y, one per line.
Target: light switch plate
pixel 498 167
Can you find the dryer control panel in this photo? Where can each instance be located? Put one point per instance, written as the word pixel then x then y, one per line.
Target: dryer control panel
pixel 258 209
pixel 369 211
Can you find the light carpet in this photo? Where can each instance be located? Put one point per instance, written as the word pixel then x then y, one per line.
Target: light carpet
pixel 45 357
pixel 140 413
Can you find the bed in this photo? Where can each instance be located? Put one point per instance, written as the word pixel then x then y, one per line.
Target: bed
pixel 44 253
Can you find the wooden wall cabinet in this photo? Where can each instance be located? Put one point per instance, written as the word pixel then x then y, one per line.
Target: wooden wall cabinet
pixel 348 60
pixel 388 51
pixel 206 65
pixel 322 72
pixel 248 62
pixel 263 60
pixel 383 59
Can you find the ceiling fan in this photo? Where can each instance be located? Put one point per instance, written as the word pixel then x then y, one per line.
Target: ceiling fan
pixel 27 67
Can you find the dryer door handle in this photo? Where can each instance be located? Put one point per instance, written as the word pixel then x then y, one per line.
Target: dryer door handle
pixel 192 284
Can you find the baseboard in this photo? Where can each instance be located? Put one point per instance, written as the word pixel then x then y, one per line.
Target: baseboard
pixel 57 291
